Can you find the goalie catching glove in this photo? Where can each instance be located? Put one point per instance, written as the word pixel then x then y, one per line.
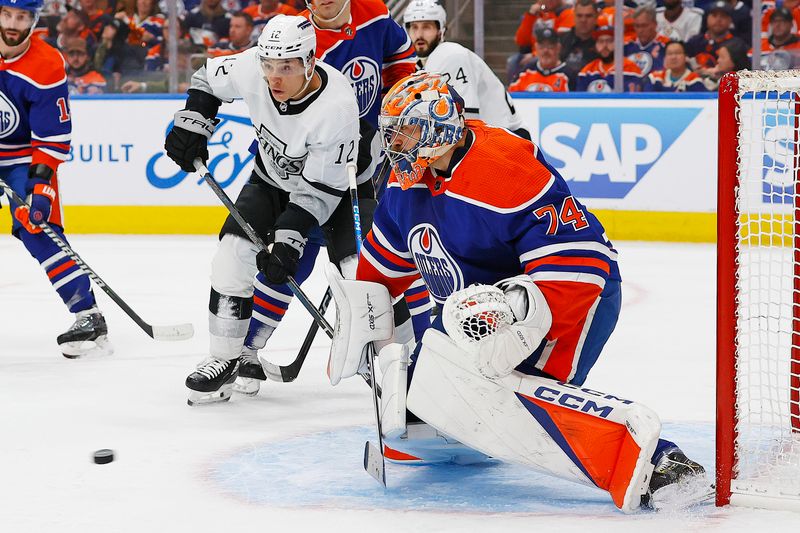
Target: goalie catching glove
pixel 188 139
pixel 363 315
pixel 501 324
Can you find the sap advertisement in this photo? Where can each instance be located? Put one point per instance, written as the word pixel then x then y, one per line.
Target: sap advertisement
pixel 627 154
pixel 630 154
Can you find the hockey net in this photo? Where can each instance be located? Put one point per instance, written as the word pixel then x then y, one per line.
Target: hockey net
pixel 758 296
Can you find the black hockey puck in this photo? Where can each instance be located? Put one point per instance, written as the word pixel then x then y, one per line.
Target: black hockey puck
pixel 102 457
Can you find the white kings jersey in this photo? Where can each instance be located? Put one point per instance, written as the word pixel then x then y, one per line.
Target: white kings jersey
pixel 484 95
pixel 304 146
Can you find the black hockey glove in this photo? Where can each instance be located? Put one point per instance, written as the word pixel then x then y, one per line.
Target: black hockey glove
pixel 291 229
pixel 188 139
pixel 279 264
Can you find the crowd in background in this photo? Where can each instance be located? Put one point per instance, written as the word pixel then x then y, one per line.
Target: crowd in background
pixel 669 45
pixel 121 45
pixel 564 45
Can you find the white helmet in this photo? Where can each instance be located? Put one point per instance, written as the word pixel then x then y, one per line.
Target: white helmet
pixel 286 37
pixel 419 10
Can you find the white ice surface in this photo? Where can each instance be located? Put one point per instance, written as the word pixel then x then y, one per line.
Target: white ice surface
pixel 289 459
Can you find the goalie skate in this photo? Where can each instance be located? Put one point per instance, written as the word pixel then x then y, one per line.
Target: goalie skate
pixel 251 373
pixel 677 483
pixel 87 337
pixel 212 381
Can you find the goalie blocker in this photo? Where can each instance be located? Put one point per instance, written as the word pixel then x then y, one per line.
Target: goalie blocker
pixel 573 433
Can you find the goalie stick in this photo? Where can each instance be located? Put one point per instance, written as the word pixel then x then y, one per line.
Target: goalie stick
pixel 288 373
pixel 159 333
pixel 374 461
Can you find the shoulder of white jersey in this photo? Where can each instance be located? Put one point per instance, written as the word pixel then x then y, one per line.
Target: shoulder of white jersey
pixel 41 66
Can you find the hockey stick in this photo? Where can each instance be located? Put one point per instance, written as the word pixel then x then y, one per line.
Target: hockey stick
pixel 253 236
pixel 374 461
pixel 288 373
pixel 159 333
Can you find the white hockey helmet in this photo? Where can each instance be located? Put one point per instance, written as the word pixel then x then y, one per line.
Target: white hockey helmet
pixel 419 10
pixel 287 37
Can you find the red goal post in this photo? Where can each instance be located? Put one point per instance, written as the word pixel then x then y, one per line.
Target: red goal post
pixel 758 290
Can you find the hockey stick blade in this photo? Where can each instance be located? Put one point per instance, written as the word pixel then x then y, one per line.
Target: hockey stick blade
pixel 180 332
pixel 177 332
pixel 374 464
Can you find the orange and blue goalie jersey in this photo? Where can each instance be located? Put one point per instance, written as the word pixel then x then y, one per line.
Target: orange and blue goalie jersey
pixel 35 124
pixel 372 51
pixel 502 211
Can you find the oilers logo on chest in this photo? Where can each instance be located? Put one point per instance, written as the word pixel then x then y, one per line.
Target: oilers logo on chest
pixel 441 273
pixel 9 116
pixel 643 60
pixel 364 75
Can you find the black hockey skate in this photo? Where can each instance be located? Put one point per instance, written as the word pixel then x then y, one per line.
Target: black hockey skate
pixel 677 482
pixel 87 336
pixel 251 373
pixel 212 381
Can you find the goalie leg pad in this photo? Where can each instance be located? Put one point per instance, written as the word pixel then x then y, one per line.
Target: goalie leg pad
pixel 572 433
pixel 417 443
pixel 363 315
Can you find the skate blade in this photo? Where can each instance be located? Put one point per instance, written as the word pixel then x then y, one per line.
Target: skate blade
pixel 99 347
pixel 681 495
pixel 205 398
pixel 247 386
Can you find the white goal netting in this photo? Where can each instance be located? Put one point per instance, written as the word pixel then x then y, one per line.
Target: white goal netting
pixel 767 440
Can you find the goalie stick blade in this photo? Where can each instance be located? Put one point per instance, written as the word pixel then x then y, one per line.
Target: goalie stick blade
pixel 178 332
pixel 374 463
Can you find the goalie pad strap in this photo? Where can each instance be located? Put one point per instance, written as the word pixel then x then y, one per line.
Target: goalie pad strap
pixel 572 433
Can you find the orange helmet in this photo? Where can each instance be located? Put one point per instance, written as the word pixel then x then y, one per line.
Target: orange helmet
pixel 422 117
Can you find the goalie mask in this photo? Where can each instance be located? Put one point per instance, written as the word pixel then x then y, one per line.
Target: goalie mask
pixel 287 37
pixel 422 118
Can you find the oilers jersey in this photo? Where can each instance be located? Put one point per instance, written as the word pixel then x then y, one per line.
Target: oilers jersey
pixel 502 211
pixel 372 51
pixel 35 125
pixel 648 57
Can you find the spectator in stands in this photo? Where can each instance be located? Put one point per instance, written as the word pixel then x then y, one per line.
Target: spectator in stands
pixel 97 16
pixel 608 11
pixel 647 50
pixel 264 10
pixel 81 76
pixel 553 14
pixel 731 57
pixel 111 55
pixel 702 48
pixel 781 22
pixel 678 22
pixel 742 19
pixel 240 36
pixel 208 22
pixel 161 83
pixel 547 74
pixel 676 76
pixel 792 5
pixel 577 45
pixel 145 32
pixel 598 75
pixel 74 24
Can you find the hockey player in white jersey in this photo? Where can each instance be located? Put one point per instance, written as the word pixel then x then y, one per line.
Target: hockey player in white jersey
pixel 485 96
pixel 305 117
